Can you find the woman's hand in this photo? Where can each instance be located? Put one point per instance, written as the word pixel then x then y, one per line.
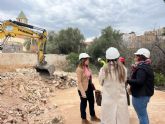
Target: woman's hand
pixel 84 96
pixel 128 88
pixel 101 76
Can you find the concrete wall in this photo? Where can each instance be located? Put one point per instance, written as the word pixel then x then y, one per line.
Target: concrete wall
pixel 28 59
pixel 58 60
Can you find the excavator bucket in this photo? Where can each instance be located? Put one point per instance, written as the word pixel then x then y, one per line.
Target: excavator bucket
pixel 46 70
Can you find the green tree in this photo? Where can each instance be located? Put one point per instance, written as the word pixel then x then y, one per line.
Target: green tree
pixel 109 38
pixel 28 43
pixel 65 41
pixel 51 45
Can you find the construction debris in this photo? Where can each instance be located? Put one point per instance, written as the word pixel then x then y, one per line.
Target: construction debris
pixel 24 97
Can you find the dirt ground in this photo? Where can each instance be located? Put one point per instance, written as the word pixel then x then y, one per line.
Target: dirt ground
pixel 68 104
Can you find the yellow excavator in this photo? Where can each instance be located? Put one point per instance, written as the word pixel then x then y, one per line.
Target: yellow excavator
pixel 11 28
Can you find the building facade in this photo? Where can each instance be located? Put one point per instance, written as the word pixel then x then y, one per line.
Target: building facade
pixel 22 18
pixel 133 41
pixel 16 44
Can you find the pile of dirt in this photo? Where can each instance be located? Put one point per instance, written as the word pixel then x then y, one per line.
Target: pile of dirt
pixel 24 97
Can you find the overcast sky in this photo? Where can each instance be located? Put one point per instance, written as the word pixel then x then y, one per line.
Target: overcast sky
pixel 90 16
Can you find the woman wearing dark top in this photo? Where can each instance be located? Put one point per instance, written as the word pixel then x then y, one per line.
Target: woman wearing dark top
pixel 142 84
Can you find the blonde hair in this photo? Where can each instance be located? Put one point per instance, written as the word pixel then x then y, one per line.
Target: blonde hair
pixel 81 63
pixel 119 71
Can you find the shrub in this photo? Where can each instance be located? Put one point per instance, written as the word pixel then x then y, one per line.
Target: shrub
pixel 72 59
pixel 159 79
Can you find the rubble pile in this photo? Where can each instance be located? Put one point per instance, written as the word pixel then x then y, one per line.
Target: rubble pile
pixel 62 82
pixel 30 80
pixel 24 97
pixel 33 115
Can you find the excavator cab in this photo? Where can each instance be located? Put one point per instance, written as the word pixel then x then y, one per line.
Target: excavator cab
pixel 11 28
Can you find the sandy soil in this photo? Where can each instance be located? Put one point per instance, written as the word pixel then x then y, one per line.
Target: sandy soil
pixel 68 103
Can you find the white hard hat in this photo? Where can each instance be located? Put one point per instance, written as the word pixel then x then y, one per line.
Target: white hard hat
pixel 143 51
pixel 83 55
pixel 112 53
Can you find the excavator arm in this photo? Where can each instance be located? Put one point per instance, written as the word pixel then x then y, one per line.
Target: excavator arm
pixel 15 29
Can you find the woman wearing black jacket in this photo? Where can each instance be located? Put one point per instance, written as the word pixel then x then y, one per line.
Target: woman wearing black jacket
pixel 142 84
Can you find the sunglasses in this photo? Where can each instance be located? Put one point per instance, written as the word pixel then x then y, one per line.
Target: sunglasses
pixel 112 60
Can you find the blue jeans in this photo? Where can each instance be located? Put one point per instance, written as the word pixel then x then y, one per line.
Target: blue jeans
pixel 140 106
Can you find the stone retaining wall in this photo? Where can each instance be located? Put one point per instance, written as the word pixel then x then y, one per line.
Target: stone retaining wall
pixel 30 59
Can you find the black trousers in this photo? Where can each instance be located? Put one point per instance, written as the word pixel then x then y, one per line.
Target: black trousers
pixel 83 102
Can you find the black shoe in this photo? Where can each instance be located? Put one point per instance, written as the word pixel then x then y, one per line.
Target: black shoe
pixel 95 118
pixel 85 121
